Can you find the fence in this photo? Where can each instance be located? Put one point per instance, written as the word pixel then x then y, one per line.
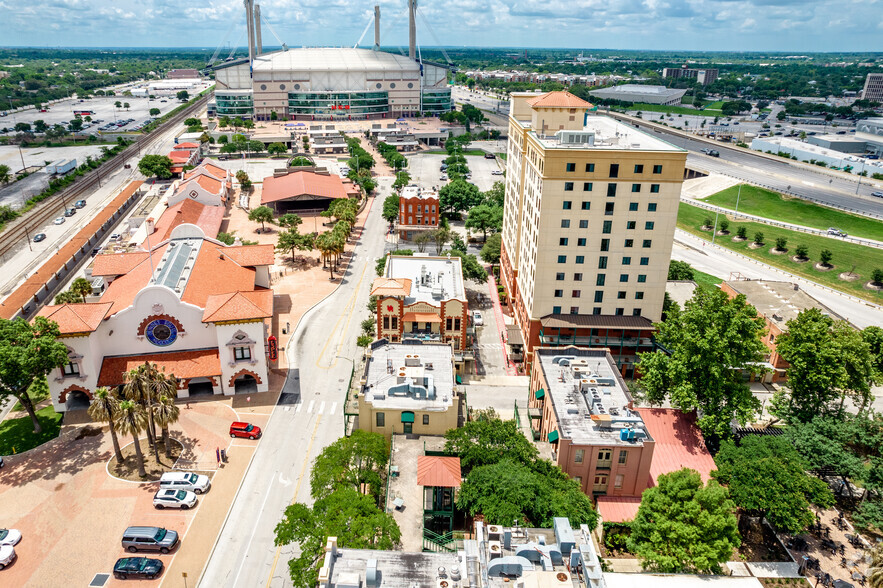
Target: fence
pixel 766 221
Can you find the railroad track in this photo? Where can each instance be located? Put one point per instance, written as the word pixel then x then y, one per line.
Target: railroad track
pixel 30 223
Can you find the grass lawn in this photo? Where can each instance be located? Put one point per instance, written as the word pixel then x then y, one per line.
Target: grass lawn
pixel 668 109
pixel 707 281
pixel 846 256
pixel 17 435
pixel 714 105
pixel 772 205
pixel 503 156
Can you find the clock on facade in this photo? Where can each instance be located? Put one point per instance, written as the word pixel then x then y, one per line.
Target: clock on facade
pixel 161 332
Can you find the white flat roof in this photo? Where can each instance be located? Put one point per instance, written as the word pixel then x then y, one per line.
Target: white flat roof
pixel 609 134
pixel 433 279
pixel 333 59
pixel 391 383
pixel 414 191
pixel 678 581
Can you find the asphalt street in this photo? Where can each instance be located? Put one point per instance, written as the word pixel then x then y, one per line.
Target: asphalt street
pixel 308 417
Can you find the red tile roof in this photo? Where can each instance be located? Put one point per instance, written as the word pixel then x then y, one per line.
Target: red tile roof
pixel 116 264
pixel 207 218
pixel 679 443
pixel 24 294
pixel 187 145
pixel 434 470
pixel 560 99
pixel 180 156
pixel 76 318
pixel 391 287
pixel 238 306
pixel 421 317
pixel 251 255
pixel 618 509
pixel 198 363
pixel 215 272
pixel 122 291
pixel 209 183
pixel 304 183
pixel 209 168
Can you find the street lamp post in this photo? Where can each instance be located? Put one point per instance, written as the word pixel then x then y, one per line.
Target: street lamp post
pixel 738 195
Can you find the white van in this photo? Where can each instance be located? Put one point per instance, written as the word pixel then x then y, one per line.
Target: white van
pixel 185 481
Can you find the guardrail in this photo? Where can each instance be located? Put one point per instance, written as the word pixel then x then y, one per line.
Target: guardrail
pixel 38 216
pixel 766 221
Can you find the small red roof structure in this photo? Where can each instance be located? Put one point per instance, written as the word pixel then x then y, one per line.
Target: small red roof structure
pixel 438 471
pixel 306 185
pixel 187 145
pixel 76 318
pixel 618 509
pixel 391 287
pixel 558 99
pixel 679 443
pixel 199 363
pixel 207 218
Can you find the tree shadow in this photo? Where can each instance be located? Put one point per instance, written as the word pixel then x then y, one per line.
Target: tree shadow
pixel 68 454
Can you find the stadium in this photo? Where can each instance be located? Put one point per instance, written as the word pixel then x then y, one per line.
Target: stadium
pixel 329 83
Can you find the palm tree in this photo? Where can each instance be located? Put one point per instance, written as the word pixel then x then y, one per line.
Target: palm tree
pixel 875 571
pixel 139 388
pixel 165 412
pixel 103 409
pixel 131 421
pixel 81 287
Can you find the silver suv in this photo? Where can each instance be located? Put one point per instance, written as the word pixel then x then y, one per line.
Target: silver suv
pixel 185 481
pixel 137 539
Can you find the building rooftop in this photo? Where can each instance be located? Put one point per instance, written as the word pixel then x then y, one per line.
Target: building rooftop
pixel 410 376
pixel 680 291
pixel 415 191
pixel 560 99
pixel 603 133
pixel 590 399
pixel 779 302
pixel 305 183
pixel 632 90
pixel 333 59
pixel 433 279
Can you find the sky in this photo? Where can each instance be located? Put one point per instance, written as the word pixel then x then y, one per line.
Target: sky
pixel 792 26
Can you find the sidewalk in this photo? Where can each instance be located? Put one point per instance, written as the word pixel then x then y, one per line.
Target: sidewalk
pixel 501 322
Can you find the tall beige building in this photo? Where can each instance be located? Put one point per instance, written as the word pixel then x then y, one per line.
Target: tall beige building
pixel 873 87
pixel 590 213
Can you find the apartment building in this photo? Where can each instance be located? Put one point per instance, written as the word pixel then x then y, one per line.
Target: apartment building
pixel 873 87
pixel 589 220
pixel 704 76
pixel 418 211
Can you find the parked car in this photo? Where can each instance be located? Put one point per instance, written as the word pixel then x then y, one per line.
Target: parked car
pixel 246 430
pixel 877 194
pixel 59 221
pixel 7 555
pixel 443 177
pixel 39 237
pixel 490 156
pixel 477 319
pixel 80 204
pixel 711 152
pixel 836 232
pixel 496 172
pixel 116 237
pixel 9 536
pixel 70 212
pixel 174 499
pixel 185 481
pixel 137 539
pixel 137 567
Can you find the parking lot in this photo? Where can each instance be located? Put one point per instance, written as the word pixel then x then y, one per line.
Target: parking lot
pixel 424 170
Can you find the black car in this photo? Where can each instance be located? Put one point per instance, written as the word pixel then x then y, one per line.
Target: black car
pixel 39 237
pixel 137 567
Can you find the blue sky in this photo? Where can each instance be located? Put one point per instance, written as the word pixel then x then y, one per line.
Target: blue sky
pixel 749 25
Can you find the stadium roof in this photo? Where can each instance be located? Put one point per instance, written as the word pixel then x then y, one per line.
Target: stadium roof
pixel 333 59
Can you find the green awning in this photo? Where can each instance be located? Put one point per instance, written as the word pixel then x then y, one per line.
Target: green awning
pixel 407 417
pixel 553 436
pixel 540 393
pixel 459 380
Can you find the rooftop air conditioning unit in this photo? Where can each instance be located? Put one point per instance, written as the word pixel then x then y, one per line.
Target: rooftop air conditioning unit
pixel 495 549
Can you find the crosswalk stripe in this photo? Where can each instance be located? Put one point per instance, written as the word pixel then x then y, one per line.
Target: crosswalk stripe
pixel 299 406
pixel 310 409
pixel 322 407
pixel 333 408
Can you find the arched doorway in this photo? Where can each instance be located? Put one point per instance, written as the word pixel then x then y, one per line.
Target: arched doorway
pixel 245 384
pixel 77 400
pixel 200 387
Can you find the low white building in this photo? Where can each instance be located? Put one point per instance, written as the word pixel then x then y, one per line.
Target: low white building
pixel 197 308
pixel 804 151
pixel 641 93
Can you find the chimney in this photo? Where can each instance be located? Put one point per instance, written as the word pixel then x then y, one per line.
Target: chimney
pixel 249 23
pixel 259 47
pixel 412 29
pixel 151 227
pixel 376 27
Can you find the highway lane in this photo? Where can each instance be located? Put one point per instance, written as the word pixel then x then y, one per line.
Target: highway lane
pixel 779 175
pixel 308 417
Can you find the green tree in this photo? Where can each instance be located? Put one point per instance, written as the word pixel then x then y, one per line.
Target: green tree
pixel 23 127
pixel 300 161
pixel 277 148
pixel 4 173
pixel 472 270
pixel 440 237
pixel 103 409
pixel 347 514
pixel 459 195
pixel 489 441
pixel 153 112
pixel 873 337
pixel 877 276
pixel 351 463
pixel 273 115
pixel 131 421
pixel 364 340
pixel 75 125
pixel 402 180
pixel 801 252
pixel 183 95
pixel 126 105
pixel 261 214
pixel 828 362
pixel 683 526
pixel 28 352
pixel 66 297
pixel 490 252
pixel 290 220
pixel 159 166
pixel 711 341
pixel 40 126
pixel 680 270
pixel 291 241
pixel 422 239
pixel 223 140
pixel 781 244
pixel 82 288
pixel 118 104
pixel 758 238
pixel 825 257
pixel 787 494
pixel 485 218
pixel 834 444
pixel 391 209
pixel 496 196
pixel 165 413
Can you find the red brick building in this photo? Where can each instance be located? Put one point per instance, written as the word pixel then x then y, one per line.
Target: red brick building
pixel 418 211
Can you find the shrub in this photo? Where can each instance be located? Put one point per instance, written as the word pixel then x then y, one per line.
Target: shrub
pixel 758 238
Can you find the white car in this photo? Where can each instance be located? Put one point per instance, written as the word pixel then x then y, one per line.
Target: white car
pixel 185 481
pixel 59 221
pixel 477 319
pixel 174 499
pixel 7 555
pixel 496 172
pixel 9 536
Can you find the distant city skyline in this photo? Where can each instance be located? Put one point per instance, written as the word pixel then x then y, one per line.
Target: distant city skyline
pixel 687 25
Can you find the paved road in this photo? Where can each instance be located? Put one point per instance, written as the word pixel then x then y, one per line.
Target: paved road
pixel 779 175
pixel 308 417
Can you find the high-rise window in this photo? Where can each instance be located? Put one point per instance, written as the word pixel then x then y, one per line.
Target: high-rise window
pixel 642 278
pixel 614 170
pixel 611 190
pixel 577 277
pixel 648 225
pixel 608 208
pixel 581 242
pixel 633 206
pixel 562 259
pixel 596 310
pixel 571 167
pixel 651 207
pixel 602 262
pixel 562 241
pixel 586 205
pixel 630 224
pixel 636 187
pixel 607 227
pixel 639 295
pixel 584 224
pixel 565 223
pixel 556 310
pixel 626 261
pixel 654 188
pixel 559 276
pixel 605 244
pixel 620 311
pixel 575 293
pixel 647 243
pixel 587 186
pixel 568 186
pixel 590 167
pixel 636 312
pixel 657 169
pixel 574 310
pixel 559 293
pixel 645 261
pixel 623 277
pixel 599 296
pixel 639 169
pixel 566 204
pixel 629 243
pixel 620 295
pixel 599 281
pixel 580 259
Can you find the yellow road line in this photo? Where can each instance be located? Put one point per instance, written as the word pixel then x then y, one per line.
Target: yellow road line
pixel 296 490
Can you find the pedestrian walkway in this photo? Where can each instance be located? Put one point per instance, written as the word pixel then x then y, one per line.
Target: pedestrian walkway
pixel 498 314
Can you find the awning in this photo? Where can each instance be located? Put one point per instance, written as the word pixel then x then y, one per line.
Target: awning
pixel 513 335
pixel 421 317
pixel 459 379
pixel 407 417
pixel 553 436
pixel 539 393
pixel 199 363
pixel 439 471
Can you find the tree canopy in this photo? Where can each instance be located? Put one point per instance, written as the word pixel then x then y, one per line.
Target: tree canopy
pixel 490 252
pixel 159 166
pixel 680 270
pixel 350 462
pixel 489 441
pixel 767 477
pixel 684 526
pixel 711 341
pixel 485 218
pixel 458 195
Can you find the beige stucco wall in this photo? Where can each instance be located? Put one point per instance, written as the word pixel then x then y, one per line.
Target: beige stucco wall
pixel 439 421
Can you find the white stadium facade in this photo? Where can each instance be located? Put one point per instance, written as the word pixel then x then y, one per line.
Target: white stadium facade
pixel 329 83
